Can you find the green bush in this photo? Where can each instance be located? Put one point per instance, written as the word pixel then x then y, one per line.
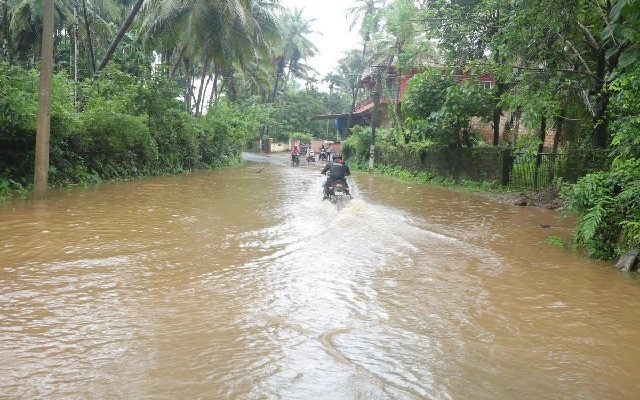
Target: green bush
pixel 556 241
pixel 18 109
pixel 115 145
pixel 608 208
pixel 294 112
pixel 301 136
pixel 439 109
pixel 608 203
pixel 356 146
pixel 128 126
pixel 225 129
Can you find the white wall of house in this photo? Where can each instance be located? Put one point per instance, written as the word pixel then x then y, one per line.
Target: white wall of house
pixel 279 147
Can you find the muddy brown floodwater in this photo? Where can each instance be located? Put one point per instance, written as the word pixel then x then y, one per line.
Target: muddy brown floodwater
pixel 241 283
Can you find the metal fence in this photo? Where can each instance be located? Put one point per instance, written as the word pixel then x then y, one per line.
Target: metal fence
pixel 540 170
pixel 515 169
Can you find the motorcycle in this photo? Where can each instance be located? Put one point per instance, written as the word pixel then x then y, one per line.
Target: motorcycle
pixel 295 159
pixel 323 155
pixel 311 155
pixel 339 193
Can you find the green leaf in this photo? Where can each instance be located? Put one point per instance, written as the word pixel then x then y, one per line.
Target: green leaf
pixel 629 56
pixel 614 14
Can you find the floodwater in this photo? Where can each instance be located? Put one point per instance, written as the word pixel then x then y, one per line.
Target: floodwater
pixel 241 283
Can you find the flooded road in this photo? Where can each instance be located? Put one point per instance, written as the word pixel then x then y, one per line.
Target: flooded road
pixel 241 283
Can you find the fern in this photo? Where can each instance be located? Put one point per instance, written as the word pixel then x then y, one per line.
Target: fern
pixel 589 223
pixel 631 233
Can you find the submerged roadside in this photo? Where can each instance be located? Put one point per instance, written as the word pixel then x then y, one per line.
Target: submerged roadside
pixel 548 198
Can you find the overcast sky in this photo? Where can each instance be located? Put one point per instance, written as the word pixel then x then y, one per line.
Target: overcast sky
pixel 333 37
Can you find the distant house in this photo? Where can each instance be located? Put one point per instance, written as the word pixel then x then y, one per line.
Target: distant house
pixel 391 93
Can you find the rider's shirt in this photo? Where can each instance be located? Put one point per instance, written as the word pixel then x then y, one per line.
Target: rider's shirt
pixel 337 170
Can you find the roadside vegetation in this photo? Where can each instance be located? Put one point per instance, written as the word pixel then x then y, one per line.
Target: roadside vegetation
pixel 129 127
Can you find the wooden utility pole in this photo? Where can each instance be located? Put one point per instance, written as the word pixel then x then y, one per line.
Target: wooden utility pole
pixel 41 171
pixel 374 117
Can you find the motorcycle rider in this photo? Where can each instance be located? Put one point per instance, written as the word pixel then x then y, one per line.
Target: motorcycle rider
pixel 323 153
pixel 338 170
pixel 311 155
pixel 295 153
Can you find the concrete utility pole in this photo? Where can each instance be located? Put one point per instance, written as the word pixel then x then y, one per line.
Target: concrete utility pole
pixel 374 118
pixel 41 171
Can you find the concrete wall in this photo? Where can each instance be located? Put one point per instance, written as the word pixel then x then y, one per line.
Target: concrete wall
pixel 316 144
pixel 279 147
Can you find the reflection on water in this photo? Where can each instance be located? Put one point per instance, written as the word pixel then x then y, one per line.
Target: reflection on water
pixel 242 283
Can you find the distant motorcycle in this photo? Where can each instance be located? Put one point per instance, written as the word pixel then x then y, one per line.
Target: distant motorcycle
pixel 295 159
pixel 311 155
pixel 323 155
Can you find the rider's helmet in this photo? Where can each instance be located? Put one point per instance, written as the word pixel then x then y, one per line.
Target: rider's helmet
pixel 338 159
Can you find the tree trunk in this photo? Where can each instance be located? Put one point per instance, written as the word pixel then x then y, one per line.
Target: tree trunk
pixel 602 101
pixel 558 134
pixel 56 43
pixel 41 170
pixel 86 26
pixel 5 30
pixel 178 61
pixel 275 87
pixel 214 88
pixel 204 94
pixel 233 87
pixel 189 86
pixel 374 117
pixel 205 68
pixel 353 104
pixel 376 106
pixel 116 40
pixel 543 134
pixel 497 111
pixel 286 79
pixel 75 54
pixel 556 141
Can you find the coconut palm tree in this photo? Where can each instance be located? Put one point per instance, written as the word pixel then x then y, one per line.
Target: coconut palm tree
pixel 25 23
pixel 224 36
pixel 368 13
pixel 116 40
pixel 295 46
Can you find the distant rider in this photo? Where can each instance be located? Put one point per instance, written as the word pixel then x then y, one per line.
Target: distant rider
pixel 338 170
pixel 294 153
